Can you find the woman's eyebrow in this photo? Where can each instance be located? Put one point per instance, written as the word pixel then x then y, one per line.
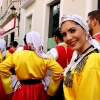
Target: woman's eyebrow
pixel 71 29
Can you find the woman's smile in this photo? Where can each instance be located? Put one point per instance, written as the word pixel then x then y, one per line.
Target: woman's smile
pixel 73 43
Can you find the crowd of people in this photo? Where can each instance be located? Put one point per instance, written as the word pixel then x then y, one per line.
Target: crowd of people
pixel 73 65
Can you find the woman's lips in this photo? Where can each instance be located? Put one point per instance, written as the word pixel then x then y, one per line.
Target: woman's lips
pixel 73 43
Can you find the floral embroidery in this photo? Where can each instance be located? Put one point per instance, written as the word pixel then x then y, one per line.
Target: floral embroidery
pixel 80 66
pixel 69 79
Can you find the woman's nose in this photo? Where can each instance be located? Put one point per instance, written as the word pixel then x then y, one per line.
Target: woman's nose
pixel 69 36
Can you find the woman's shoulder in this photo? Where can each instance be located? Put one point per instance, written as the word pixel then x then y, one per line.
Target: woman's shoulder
pixel 24 53
pixel 93 61
pixel 94 56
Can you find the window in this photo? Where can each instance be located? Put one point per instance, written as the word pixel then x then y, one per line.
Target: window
pixel 28 23
pixel 98 4
pixel 53 23
pixel 54 18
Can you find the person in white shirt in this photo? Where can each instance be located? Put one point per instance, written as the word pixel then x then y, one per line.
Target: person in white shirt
pixel 62 54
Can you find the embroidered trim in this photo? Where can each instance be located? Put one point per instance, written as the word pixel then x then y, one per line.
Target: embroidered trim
pixel 78 69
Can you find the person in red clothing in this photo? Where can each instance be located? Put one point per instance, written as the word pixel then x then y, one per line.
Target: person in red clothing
pixel 12 49
pixel 2 57
pixel 93 21
pixel 62 53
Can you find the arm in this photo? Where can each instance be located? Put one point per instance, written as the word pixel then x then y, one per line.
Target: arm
pixel 5 74
pixel 6 65
pixel 56 69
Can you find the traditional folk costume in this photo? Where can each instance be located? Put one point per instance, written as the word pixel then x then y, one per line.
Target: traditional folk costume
pixel 9 52
pixel 14 82
pixel 30 67
pixel 62 54
pixel 2 93
pixel 3 96
pixel 81 77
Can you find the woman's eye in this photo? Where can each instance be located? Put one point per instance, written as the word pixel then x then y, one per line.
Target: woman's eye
pixel 64 34
pixel 72 30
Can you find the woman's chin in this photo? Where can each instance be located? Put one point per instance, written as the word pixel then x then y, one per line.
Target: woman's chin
pixel 74 48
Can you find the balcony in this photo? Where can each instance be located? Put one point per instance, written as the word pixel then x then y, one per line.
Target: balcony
pixel 25 3
pixel 6 16
pixel 4 19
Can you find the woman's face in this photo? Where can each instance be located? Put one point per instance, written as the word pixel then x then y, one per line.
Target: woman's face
pixel 73 34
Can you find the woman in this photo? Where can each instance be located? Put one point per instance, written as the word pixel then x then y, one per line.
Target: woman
pixel 82 76
pixel 30 67
pixel 5 82
pixel 2 57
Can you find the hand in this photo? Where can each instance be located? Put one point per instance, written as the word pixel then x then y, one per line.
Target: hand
pixel 62 73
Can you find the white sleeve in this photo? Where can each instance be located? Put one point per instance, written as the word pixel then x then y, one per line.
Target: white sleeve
pixel 15 82
pixel 53 53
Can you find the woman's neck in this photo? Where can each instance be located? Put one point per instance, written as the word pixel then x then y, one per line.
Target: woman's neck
pixel 85 47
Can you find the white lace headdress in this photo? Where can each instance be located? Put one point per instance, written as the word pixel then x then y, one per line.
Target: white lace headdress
pixel 34 38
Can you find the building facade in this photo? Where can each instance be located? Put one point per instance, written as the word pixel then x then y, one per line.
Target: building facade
pixel 44 16
pixel 8 23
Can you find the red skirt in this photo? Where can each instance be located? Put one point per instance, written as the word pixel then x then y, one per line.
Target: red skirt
pixel 4 96
pixel 31 92
pixel 9 96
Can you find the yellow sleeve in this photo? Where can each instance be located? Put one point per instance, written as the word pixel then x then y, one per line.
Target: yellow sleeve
pixel 56 70
pixel 89 83
pixel 6 65
pixel 6 75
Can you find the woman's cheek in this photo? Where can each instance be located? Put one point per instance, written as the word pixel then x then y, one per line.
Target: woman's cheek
pixel 65 39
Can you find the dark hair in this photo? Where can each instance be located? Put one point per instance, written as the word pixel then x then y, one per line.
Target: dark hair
pixel 58 34
pixel 11 43
pixel 7 48
pixel 25 40
pixel 15 43
pixel 95 14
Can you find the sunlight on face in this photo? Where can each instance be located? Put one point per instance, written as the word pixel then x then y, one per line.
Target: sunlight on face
pixel 73 34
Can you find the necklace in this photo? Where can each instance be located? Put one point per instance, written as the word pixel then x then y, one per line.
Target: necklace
pixel 83 52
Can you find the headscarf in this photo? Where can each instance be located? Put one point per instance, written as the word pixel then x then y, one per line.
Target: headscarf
pixel 3 47
pixel 34 38
pixel 82 23
pixel 78 19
